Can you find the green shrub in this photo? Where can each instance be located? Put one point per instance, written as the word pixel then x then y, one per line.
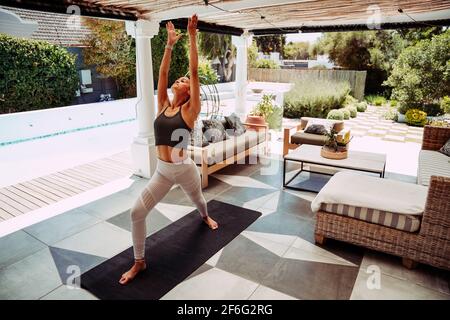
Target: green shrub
pixel 353 111
pixel 314 98
pixel 416 117
pixel 432 109
pixel 379 101
pixel 35 75
pixel 391 114
pixel 393 103
pixel 349 100
pixel 445 104
pixel 206 73
pixel 266 64
pixel 361 106
pixel 421 73
pixel 376 100
pixel 346 113
pixel 403 108
pixel 336 114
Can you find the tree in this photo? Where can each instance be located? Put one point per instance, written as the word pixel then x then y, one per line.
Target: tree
pixel 421 74
pixel 252 55
pixel 113 52
pixel 361 50
pixel 179 64
pixel 412 36
pixel 268 44
pixel 296 51
pixel 374 51
pixel 218 46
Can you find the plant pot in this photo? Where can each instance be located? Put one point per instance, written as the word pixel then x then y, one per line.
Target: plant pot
pixel 255 120
pixel 401 118
pixel 331 154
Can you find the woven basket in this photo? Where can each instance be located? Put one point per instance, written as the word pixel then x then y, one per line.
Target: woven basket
pixel 331 154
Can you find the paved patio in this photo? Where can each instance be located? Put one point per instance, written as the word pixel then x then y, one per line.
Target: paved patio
pixel 275 258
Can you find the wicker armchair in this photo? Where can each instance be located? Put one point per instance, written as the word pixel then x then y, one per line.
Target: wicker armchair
pixel 429 245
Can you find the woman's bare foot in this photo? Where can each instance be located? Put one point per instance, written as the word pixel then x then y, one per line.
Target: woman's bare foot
pixel 139 265
pixel 211 223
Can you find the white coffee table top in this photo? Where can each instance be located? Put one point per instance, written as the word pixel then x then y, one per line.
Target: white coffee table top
pixel 358 160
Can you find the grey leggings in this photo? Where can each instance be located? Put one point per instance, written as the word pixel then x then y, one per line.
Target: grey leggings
pixel 166 175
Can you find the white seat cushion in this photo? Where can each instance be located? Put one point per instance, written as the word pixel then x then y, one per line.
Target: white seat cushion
pixel 432 163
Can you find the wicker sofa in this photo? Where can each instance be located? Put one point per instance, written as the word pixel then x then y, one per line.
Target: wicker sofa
pixel 295 136
pixel 430 244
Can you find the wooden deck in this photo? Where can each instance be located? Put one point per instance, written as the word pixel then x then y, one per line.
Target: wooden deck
pixel 27 196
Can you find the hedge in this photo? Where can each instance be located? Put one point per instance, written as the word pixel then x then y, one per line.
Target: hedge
pixel 35 75
pixel 315 98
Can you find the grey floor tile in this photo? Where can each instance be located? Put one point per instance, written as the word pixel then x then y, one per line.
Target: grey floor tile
pixel 62 226
pixel 283 223
pixel 103 239
pixel 109 206
pixel 391 288
pixel 30 278
pixel 247 259
pixel 203 268
pixel 288 203
pixel 215 186
pixel 155 221
pixel 423 275
pixel 69 293
pixel 239 195
pixel 16 246
pixel 312 280
pixel 67 260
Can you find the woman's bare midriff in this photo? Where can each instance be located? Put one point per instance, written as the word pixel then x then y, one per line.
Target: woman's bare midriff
pixel 171 154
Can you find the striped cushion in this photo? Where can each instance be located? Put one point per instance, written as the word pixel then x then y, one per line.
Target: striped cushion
pixel 404 222
pixel 432 163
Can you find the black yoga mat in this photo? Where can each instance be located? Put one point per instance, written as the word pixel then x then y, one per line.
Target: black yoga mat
pixel 172 254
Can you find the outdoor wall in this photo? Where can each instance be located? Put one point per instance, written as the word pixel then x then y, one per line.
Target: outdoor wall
pixel 357 79
pixel 23 126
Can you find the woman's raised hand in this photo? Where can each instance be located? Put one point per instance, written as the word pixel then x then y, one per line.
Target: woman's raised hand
pixel 172 36
pixel 192 25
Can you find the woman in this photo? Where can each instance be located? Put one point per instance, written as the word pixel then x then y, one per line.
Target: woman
pixel 173 124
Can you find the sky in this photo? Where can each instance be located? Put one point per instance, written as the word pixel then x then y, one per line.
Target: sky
pixel 307 37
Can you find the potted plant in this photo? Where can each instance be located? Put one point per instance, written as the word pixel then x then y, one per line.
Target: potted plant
pixel 266 112
pixel 336 146
pixel 401 110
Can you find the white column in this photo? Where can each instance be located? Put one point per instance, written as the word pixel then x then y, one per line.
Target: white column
pixel 143 148
pixel 241 43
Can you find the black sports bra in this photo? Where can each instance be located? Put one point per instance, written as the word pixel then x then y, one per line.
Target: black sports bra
pixel 171 131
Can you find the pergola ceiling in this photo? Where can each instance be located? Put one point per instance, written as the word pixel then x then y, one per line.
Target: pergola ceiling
pixel 263 16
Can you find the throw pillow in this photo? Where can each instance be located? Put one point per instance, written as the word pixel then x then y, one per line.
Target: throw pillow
pixel 316 129
pixel 445 149
pixel 235 124
pixel 198 139
pixel 214 130
pixel 327 124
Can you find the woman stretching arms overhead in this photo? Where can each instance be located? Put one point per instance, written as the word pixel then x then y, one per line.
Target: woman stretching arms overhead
pixel 173 124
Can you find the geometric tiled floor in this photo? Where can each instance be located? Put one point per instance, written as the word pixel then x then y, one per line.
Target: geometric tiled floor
pixel 274 258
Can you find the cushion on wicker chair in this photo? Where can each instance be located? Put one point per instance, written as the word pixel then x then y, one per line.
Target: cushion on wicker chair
pixel 301 137
pixel 432 163
pixel 404 222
